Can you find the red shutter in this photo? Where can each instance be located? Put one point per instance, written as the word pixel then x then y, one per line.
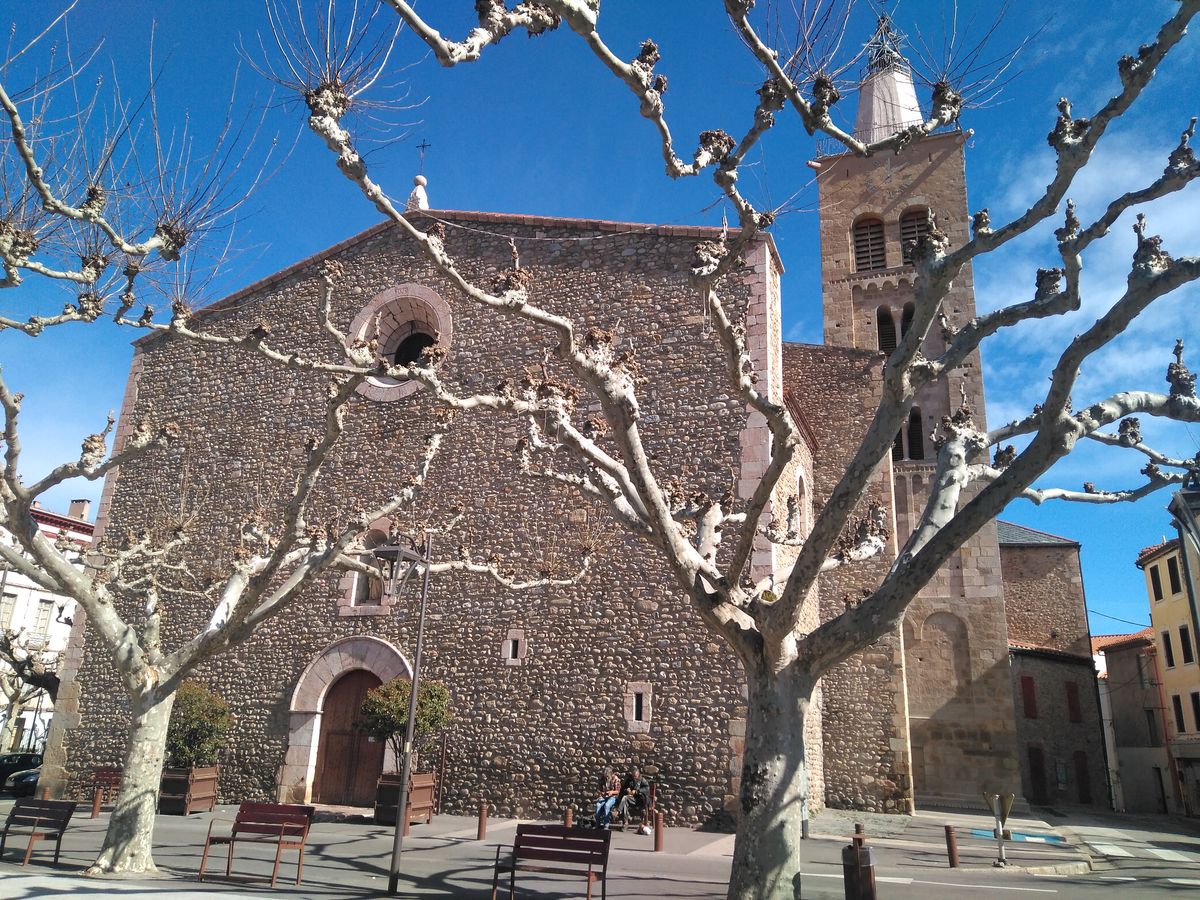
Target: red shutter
pixel 1029 697
pixel 1073 710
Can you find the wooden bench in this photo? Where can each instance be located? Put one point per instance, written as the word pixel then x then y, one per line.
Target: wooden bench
pixel 283 824
pixel 556 850
pixel 45 819
pixel 106 781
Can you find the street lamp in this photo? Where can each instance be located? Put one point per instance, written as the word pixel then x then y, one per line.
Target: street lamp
pixel 396 556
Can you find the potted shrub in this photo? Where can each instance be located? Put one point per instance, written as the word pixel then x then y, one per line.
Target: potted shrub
pixel 385 718
pixel 195 737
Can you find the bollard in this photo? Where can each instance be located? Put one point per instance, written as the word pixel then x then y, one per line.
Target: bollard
pixel 96 802
pixel 569 818
pixel 45 793
pixel 483 814
pixel 658 831
pixel 804 829
pixel 858 871
pixel 952 846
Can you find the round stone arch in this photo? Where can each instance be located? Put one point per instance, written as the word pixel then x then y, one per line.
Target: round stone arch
pixel 400 312
pixel 373 654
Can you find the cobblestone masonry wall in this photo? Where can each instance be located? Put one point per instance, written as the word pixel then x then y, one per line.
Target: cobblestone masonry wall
pixel 526 737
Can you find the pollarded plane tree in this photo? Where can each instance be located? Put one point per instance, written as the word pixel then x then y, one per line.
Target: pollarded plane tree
pixel 705 541
pixel 99 195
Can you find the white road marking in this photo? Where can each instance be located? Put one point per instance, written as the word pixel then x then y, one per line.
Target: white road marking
pixel 1188 882
pixel 1110 849
pixel 1117 878
pixel 1169 855
pixel 947 884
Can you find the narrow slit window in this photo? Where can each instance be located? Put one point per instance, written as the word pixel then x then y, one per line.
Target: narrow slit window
pixel 514 648
pixel 639 706
pixel 1168 650
pixel 914 224
pixel 868 246
pixel 916 442
pixel 1185 645
pixel 1177 708
pixel 887 329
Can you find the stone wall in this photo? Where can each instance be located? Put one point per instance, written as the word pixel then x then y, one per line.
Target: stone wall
pixel 1073 752
pixel 528 737
pixel 1043 596
pixel 865 741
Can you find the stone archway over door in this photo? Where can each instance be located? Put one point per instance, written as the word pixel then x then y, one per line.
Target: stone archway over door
pixel 353 654
pixel 348 763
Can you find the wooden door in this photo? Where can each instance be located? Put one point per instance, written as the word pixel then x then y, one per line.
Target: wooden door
pixel 1037 775
pixel 348 764
pixel 1083 779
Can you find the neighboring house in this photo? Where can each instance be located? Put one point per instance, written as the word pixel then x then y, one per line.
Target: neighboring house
pixel 546 687
pixel 1131 692
pixel 1171 594
pixel 41 623
pixel 1053 674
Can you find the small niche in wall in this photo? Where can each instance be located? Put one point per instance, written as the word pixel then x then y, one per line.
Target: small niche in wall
pixel 513 648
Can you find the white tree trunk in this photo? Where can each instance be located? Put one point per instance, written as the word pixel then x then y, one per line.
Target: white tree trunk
pixel 774 792
pixel 128 843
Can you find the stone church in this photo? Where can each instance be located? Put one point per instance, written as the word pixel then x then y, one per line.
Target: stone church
pixel 550 685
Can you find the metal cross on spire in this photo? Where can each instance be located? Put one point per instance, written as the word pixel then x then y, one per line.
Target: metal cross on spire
pixel 423 146
pixel 883 49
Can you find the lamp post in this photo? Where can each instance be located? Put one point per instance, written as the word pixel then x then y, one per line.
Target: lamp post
pixel 395 554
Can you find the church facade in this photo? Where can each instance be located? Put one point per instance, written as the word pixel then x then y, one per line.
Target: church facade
pixel 549 686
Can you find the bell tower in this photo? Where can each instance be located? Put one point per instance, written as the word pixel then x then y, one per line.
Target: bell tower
pixel 955 731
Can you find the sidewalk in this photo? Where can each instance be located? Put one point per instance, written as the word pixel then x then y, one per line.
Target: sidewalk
pixel 348 859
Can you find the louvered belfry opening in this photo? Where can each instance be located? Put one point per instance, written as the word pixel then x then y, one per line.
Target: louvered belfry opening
pixel 913 224
pixel 906 318
pixel 887 329
pixel 868 246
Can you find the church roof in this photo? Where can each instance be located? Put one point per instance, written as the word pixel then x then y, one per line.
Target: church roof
pixel 1013 534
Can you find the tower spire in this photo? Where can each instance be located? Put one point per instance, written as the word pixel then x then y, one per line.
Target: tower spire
pixel 887 100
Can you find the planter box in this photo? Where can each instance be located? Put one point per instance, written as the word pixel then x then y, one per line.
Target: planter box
pixel 185 791
pixel 421 797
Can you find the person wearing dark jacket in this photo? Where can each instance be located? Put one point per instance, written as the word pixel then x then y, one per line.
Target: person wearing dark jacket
pixel 635 794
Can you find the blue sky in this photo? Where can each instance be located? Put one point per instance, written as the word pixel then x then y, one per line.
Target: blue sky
pixel 540 127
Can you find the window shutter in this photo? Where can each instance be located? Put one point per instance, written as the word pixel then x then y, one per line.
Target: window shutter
pixel 1073 711
pixel 913 225
pixel 1029 697
pixel 868 246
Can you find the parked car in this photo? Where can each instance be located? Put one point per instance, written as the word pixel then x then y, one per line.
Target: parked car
pixel 24 783
pixel 17 762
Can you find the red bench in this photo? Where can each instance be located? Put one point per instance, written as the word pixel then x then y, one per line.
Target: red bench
pixel 282 824
pixel 556 850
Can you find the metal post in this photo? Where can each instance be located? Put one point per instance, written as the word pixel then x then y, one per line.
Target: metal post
pixel 441 780
pixel 481 831
pixel 406 767
pixel 1000 862
pixel 858 871
pixel 658 831
pixel 952 846
pixel 96 801
pixel 569 818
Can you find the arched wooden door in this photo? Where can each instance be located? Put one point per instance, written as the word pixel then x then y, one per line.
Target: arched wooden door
pixel 348 764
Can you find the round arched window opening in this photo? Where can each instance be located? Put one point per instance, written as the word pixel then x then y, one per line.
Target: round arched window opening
pixel 407 320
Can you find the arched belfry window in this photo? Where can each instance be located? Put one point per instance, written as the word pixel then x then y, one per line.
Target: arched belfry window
pixel 916 441
pixel 868 245
pixel 887 329
pixel 906 318
pixel 913 224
